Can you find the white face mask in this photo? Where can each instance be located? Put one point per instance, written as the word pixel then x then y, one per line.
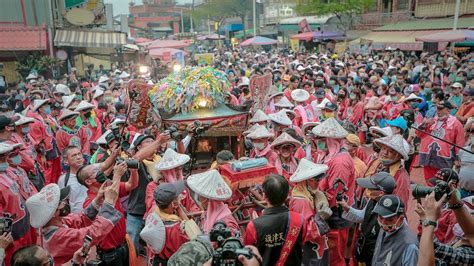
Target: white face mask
pixel 259 146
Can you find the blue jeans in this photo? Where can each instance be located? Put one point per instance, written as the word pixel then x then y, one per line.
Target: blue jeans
pixel 134 226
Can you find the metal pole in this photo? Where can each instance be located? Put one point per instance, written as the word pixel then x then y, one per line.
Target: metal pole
pixel 254 18
pixel 208 24
pixel 443 140
pixel 182 22
pixel 456 17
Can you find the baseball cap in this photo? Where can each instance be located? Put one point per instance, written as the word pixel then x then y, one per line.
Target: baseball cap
pixel 399 122
pixel 320 93
pixel 445 104
pixel 389 206
pixel 445 174
pixel 394 90
pixel 382 181
pixel 6 121
pixel 457 85
pixel 165 193
pixel 330 106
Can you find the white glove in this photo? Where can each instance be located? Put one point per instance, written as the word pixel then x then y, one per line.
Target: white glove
pixel 324 211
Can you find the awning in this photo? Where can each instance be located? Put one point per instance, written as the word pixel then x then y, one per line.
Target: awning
pixel 230 28
pixel 23 38
pixel 90 38
pixel 403 40
pixel 295 27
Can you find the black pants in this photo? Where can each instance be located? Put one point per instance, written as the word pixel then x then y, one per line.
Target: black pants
pixel 115 257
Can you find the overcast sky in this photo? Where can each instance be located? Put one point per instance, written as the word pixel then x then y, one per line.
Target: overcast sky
pixel 121 6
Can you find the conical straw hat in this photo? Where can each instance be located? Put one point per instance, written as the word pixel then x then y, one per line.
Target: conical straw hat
pixel 284 103
pixel 395 142
pixel 172 159
pixel 330 128
pixel 285 138
pixel 260 132
pixel 259 116
pixel 251 129
pixel 281 118
pixel 84 105
pixel 154 233
pixel 43 205
pixel 210 185
pixel 307 170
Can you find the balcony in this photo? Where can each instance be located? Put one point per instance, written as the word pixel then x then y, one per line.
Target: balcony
pixel 372 20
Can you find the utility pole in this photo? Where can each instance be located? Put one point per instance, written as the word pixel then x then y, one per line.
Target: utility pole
pixel 456 18
pixel 191 18
pixel 254 18
pixel 182 22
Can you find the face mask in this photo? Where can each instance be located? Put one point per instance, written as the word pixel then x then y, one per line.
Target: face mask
pixel 47 110
pixel 65 211
pixel 389 228
pixel 388 162
pixel 3 166
pixel 16 160
pixel 100 177
pixel 352 96
pixel 380 92
pixel 108 99
pixel 414 105
pixel 437 72
pixel 88 114
pixel 393 98
pixel 332 82
pixel 322 145
pixel 426 91
pixel 372 194
pixel 259 146
pixel 25 130
pixel 329 115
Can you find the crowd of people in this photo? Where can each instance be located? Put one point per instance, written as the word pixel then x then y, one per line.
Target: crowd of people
pixel 345 134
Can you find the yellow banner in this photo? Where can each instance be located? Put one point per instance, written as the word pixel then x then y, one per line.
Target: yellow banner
pixel 295 44
pixel 204 59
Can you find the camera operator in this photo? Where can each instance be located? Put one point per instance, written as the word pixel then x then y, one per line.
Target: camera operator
pixel 430 212
pixel 375 187
pixel 64 233
pixel 33 255
pixel 272 239
pixel 113 248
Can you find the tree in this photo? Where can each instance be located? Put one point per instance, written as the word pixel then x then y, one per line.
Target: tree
pixel 346 11
pixel 38 63
pixel 219 10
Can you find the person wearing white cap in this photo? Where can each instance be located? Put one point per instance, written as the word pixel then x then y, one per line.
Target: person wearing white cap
pixel 285 146
pixel 42 130
pixel 60 90
pixel 304 112
pixel 49 211
pixel 98 96
pixel 283 103
pixel 392 152
pixel 260 138
pixel 12 204
pixel 280 120
pixel 212 191
pixel 88 121
pixel 68 100
pixel 9 136
pixel 331 135
pixel 70 134
pixel 308 200
pixel 274 98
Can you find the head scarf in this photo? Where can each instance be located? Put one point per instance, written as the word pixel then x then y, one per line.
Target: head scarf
pixel 216 210
pixel 172 175
pixel 301 191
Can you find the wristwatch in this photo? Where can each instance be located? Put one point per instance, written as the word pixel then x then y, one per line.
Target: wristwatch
pixel 427 222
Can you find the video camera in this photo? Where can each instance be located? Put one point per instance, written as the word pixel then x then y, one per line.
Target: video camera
pixel 178 134
pixel 229 248
pixel 443 177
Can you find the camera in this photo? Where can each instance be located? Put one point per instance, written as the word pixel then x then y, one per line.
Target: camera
pixel 175 133
pixel 442 179
pixel 228 248
pixel 131 164
pixel 6 225
pixel 441 188
pixel 200 128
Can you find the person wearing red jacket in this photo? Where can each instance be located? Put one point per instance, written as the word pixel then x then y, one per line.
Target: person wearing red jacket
pixel 88 121
pixel 308 200
pixel 340 180
pixel 12 209
pixel 436 154
pixel 64 233
pixel 70 134
pixel 42 130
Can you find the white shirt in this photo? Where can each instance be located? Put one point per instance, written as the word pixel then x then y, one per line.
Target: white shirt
pixel 78 192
